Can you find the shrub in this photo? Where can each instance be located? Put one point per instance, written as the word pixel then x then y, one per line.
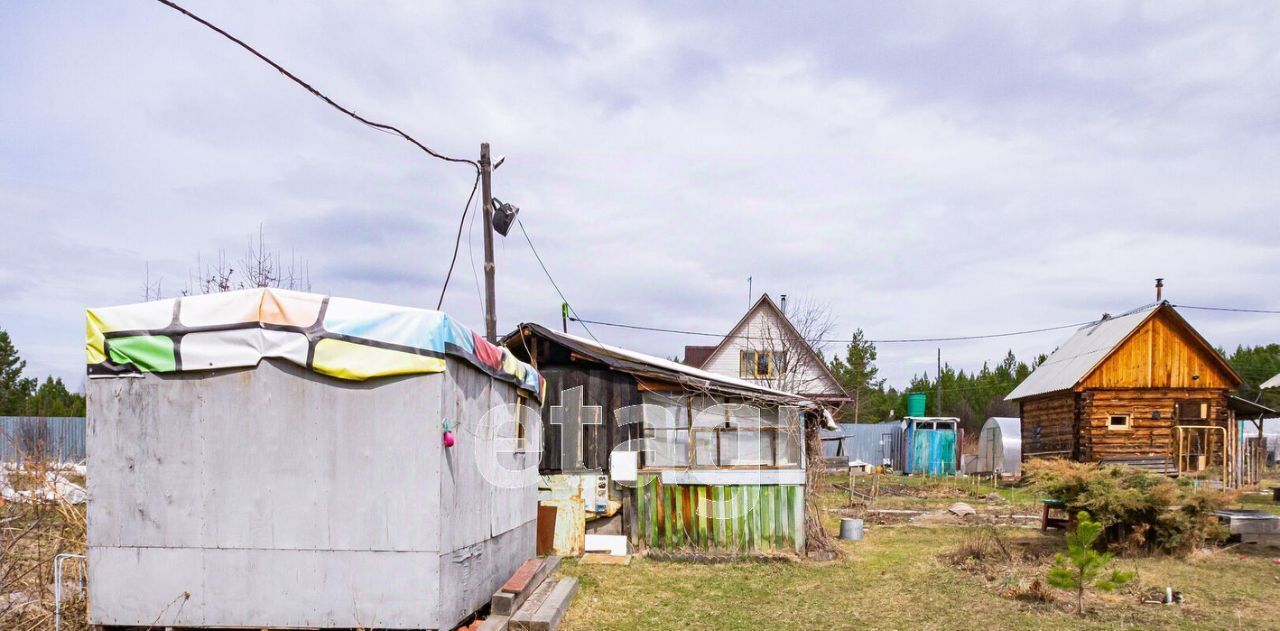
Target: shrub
pixel 1138 510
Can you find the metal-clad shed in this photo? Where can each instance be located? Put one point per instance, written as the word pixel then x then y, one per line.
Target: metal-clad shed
pixel 872 443
pixel 277 459
pixel 1000 446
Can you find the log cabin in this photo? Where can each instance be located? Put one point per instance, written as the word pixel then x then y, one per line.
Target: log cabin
pixel 1142 389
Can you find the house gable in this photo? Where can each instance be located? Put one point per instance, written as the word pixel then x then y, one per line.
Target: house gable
pixel 761 328
pixel 1163 352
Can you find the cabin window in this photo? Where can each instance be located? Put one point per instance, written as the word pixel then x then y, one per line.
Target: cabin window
pixel 1118 421
pixel 760 364
pixel 522 403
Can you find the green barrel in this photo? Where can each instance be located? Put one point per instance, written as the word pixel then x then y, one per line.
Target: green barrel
pixel 915 404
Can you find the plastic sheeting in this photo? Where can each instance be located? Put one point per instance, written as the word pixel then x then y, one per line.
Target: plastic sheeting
pixel 339 337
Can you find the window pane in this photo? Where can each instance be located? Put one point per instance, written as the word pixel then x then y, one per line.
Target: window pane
pixel 667 448
pixel 704 448
pixel 789 451
pixel 664 411
pixel 748 448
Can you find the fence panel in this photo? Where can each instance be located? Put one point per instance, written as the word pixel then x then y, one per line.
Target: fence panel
pixel 59 438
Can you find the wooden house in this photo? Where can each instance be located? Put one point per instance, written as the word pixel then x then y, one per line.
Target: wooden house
pixel 1142 388
pixel 686 458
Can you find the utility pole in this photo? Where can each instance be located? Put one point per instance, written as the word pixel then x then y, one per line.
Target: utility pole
pixel 939 404
pixel 486 189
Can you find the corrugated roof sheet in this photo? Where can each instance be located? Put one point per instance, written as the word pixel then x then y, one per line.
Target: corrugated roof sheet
pixel 1273 382
pixel 1080 354
pixel 658 364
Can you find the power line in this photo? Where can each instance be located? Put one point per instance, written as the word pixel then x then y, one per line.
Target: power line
pixel 457 241
pixel 953 338
pixel 383 127
pixel 575 317
pixel 1229 309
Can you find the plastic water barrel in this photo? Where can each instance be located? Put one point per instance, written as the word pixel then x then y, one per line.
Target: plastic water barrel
pixel 915 404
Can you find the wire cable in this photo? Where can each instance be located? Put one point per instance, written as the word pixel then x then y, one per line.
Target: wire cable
pixel 457 241
pixel 1229 309
pixel 382 127
pixel 953 338
pixel 543 265
pixel 318 94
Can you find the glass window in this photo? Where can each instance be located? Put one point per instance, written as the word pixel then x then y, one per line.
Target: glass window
pixel 666 428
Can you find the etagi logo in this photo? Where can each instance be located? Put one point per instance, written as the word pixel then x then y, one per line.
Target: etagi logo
pixel 734 445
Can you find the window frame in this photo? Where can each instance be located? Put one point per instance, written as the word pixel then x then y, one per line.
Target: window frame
pixel 521 437
pixel 750 369
pixel 1128 422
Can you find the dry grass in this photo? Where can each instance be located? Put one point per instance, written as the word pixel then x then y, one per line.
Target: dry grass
pixel 31 535
pixel 945 577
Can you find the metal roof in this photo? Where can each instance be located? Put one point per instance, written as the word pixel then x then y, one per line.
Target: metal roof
pixel 1078 356
pixel 644 365
pixel 1273 382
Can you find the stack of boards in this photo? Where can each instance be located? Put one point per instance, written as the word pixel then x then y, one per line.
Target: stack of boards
pixel 531 600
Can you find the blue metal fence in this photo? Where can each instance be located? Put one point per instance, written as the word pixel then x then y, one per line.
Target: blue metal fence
pixel 59 438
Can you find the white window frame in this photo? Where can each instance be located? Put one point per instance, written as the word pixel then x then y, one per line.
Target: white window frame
pixel 1128 422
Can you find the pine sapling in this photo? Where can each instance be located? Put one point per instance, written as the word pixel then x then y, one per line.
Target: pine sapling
pixel 1082 566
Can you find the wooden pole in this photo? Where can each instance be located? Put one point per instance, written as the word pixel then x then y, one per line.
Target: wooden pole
pixel 486 188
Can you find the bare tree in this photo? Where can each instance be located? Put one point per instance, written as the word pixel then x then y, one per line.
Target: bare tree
pixel 791 365
pixel 784 349
pixel 259 266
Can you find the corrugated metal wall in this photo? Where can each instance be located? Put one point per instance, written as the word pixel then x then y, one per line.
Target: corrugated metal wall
pixel 733 518
pixel 871 443
pixel 59 437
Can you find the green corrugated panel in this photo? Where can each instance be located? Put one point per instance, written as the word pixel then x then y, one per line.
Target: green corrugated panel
pixel 717 503
pixel 704 524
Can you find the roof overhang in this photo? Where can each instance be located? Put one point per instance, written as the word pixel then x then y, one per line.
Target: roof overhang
pixel 1245 406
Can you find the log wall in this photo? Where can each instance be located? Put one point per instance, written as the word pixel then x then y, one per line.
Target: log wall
pixel 1146 435
pixel 1047 425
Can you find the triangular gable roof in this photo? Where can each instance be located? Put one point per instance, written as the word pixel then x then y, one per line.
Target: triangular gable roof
pixel 765 302
pixel 1092 344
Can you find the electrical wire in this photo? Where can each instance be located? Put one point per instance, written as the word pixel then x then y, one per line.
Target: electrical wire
pixel 318 94
pixel 954 338
pixel 457 241
pixel 543 265
pixel 1230 309
pixel 382 127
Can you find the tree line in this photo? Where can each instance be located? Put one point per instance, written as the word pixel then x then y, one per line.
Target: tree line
pixel 973 396
pixel 28 396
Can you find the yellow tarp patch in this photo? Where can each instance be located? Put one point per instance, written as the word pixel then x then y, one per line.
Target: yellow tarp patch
pixel 344 360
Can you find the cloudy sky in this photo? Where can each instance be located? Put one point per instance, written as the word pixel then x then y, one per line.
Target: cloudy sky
pixel 924 168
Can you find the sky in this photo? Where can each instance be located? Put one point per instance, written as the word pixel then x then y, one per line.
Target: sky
pixel 923 168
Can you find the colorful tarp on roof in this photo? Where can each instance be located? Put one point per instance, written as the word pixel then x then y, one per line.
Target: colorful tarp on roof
pixel 339 337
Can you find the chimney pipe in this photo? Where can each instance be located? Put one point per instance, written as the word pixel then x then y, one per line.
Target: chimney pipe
pixel 1159 289
pixel 784 304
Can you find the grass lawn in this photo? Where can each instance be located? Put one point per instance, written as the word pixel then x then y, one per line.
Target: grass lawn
pixel 899 577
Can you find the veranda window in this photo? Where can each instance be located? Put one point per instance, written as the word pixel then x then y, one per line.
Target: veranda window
pixel 715 435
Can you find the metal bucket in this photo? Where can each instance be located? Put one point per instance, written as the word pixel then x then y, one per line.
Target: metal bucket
pixel 851 529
